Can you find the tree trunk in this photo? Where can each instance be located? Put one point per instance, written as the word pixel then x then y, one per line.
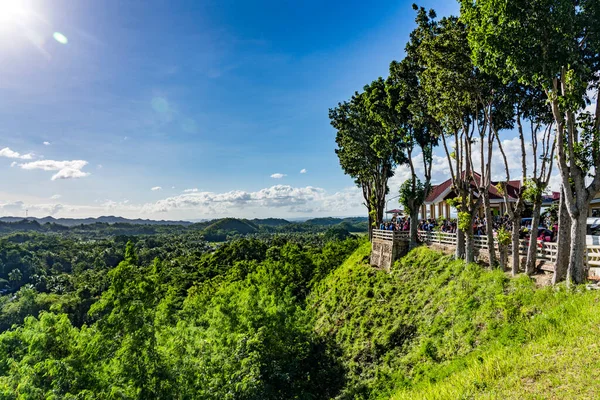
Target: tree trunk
pixel 489 231
pixel 460 244
pixel 414 217
pixel 576 268
pixel 563 243
pixel 533 243
pixel 503 253
pixel 380 210
pixel 469 247
pixel 516 257
pixel 370 227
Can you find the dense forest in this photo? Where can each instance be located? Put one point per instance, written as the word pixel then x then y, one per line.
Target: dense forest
pixel 217 230
pixel 277 317
pixel 165 316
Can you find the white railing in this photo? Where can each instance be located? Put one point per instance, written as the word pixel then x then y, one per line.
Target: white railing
pixel 390 235
pixel 437 237
pixel 593 256
pixel 545 250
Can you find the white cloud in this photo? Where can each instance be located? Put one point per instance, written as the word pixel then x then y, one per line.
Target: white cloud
pixel 194 190
pixel 156 188
pixel 66 169
pixel 303 171
pixel 275 201
pixel 278 196
pixel 278 175
pixel 56 197
pixel 8 153
pixel 12 164
pixel 46 143
pixel 109 204
pixel 18 208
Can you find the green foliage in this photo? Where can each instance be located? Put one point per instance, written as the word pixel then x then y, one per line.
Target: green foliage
pixel 454 202
pixel 272 319
pixel 465 222
pixel 228 323
pixel 551 214
pixel 412 194
pixel 503 237
pixel 336 233
pixel 367 149
pixel 218 230
pixel 533 191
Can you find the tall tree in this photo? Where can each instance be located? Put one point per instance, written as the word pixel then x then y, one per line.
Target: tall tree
pixel 537 185
pixel 448 81
pixel 493 112
pixel 552 45
pixel 529 108
pixel 418 129
pixel 367 151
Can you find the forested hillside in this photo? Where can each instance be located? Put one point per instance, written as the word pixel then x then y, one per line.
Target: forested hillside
pixel 217 230
pixel 283 317
pixel 165 317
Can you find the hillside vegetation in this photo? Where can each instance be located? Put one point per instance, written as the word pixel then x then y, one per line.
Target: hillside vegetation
pixel 436 328
pixel 217 230
pixel 288 317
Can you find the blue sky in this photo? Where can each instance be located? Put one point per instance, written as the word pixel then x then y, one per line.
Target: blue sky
pixel 212 97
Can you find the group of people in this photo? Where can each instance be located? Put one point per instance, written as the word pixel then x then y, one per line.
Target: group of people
pixel 546 232
pixel 396 224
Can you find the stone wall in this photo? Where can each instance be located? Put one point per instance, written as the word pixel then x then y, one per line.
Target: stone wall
pixel 385 252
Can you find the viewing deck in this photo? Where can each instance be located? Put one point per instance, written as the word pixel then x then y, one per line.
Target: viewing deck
pixel 546 251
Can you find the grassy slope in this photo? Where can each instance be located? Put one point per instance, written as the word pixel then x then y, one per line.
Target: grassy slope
pixel 561 361
pixel 437 329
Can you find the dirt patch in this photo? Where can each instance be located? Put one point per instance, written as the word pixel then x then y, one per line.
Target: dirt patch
pixel 542 279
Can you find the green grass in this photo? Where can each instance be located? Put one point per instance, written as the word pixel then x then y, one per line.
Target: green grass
pixel 560 361
pixel 435 328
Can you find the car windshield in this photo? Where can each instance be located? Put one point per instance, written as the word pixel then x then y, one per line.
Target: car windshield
pixel 593 230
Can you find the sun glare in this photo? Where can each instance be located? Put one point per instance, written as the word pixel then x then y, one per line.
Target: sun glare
pixel 21 22
pixel 14 12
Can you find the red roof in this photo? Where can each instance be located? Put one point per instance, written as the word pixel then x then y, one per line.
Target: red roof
pixel 437 190
pixel 394 211
pixel 512 188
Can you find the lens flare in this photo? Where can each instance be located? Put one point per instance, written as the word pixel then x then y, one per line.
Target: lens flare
pixel 60 38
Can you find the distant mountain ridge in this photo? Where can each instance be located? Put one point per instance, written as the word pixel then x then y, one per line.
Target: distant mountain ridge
pixel 88 221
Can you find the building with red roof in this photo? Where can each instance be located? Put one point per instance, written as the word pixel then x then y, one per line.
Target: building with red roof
pixel 436 204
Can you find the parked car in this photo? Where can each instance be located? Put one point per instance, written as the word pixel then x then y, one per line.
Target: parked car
pixel 592 237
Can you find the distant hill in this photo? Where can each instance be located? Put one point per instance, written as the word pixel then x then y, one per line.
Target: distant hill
pixel 216 230
pixel 271 221
pixel 229 226
pixel 88 221
pixel 328 221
